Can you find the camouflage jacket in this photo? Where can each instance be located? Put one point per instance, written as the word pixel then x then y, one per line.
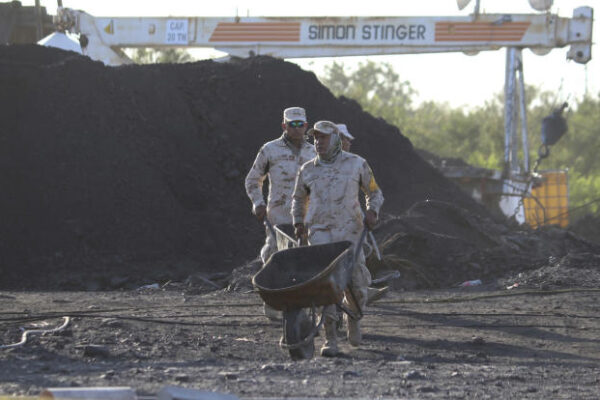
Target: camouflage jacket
pixel 326 196
pixel 279 160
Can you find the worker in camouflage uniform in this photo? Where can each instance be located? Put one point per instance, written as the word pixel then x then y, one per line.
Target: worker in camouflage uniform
pixel 373 293
pixel 326 208
pixel 346 137
pixel 280 160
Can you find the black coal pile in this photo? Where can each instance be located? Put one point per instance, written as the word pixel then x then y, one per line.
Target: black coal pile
pixel 437 244
pixel 119 177
pixel 588 227
pixel 573 270
pixel 442 162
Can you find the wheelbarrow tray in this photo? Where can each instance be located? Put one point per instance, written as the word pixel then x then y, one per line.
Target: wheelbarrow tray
pixel 306 276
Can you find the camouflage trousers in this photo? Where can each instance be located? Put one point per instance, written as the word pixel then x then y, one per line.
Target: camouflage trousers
pixel 361 277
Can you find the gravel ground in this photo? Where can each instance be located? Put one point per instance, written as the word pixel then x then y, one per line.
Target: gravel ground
pixel 452 344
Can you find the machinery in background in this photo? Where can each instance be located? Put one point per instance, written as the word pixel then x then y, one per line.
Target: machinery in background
pixel 547 201
pixel 21 25
pixel 532 196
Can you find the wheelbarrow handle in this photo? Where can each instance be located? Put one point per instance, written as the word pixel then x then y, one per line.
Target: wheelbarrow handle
pixel 352 314
pixel 373 241
pixel 359 245
pixel 270 228
pixel 350 296
pixel 374 244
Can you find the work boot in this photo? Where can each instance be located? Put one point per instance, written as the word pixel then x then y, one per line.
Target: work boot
pixel 330 348
pixel 271 313
pixel 354 335
pixel 374 294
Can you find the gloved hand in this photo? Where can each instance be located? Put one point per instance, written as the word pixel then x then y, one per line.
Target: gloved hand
pixel 370 219
pixel 300 231
pixel 260 212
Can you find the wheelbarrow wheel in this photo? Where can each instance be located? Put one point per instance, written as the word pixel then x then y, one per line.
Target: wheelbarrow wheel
pixel 297 325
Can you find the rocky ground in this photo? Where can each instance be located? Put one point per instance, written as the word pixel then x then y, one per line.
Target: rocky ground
pixel 480 342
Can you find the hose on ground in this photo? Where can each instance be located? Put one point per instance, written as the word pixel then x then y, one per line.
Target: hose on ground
pixel 34 331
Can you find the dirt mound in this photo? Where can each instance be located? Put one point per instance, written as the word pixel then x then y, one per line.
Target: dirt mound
pixel 116 177
pixel 573 270
pixel 31 55
pixel 587 227
pixel 437 244
pixel 441 162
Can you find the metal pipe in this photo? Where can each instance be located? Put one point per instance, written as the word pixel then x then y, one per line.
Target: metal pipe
pixel 38 21
pixel 509 99
pixel 514 140
pixel 524 135
pixel 477 5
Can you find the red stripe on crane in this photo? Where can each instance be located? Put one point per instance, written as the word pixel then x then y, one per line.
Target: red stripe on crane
pixel 256 32
pixel 480 31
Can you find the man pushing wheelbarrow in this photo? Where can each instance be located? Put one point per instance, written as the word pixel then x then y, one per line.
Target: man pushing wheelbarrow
pixel 331 271
pixel 326 209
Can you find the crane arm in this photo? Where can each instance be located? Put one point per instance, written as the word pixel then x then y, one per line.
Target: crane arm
pixel 289 37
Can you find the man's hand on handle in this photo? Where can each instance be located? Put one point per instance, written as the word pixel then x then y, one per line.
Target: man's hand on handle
pixel 260 212
pixel 300 231
pixel 370 219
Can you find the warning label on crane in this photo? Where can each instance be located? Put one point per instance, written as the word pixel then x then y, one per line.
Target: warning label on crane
pixel 177 31
pixel 110 28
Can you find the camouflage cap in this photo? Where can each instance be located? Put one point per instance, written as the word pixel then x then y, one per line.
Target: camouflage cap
pixel 344 131
pixel 326 127
pixel 294 114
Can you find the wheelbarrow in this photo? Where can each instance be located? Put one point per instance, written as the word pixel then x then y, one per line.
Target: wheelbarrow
pixel 307 277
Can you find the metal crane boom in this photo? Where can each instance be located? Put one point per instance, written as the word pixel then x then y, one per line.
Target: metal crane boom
pixel 289 37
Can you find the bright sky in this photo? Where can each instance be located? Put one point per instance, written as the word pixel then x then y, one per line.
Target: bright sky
pixel 454 78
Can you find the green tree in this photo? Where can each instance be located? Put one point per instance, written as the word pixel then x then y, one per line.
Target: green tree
pixel 164 56
pixel 377 87
pixel 438 128
pixel 477 135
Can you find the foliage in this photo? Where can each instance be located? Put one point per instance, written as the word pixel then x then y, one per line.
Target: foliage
pixel 151 56
pixel 477 135
pixel 375 86
pixel 584 192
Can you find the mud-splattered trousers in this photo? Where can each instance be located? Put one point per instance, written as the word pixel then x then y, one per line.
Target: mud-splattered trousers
pixel 280 160
pixel 326 200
